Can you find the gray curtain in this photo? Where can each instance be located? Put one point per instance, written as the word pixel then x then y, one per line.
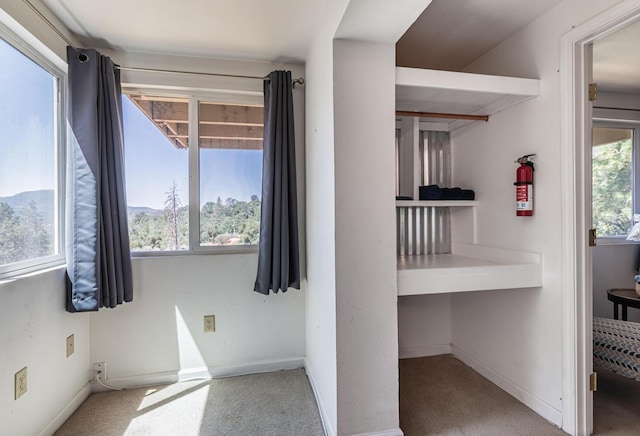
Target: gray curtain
pixel 278 261
pixel 98 256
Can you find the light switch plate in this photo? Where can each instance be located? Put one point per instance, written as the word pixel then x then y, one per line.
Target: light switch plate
pixel 70 345
pixel 21 382
pixel 209 323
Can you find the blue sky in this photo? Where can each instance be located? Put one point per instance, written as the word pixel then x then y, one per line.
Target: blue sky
pixel 153 164
pixel 27 146
pixel 27 142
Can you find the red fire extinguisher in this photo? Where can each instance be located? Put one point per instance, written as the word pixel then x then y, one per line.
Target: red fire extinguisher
pixel 524 186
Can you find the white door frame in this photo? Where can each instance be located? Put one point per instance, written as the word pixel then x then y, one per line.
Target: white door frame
pixel 576 259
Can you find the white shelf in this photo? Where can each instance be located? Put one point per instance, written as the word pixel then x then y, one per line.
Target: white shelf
pixel 436 203
pixel 469 268
pixel 421 90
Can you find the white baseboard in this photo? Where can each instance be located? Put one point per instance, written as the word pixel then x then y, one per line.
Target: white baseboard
pixel 394 432
pixel 538 405
pixel 67 411
pixel 324 416
pixel 160 378
pixel 424 351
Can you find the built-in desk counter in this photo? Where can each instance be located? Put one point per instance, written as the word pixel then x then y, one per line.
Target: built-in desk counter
pixel 470 268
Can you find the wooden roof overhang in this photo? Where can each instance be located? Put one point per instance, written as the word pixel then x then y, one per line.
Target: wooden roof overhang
pixel 221 125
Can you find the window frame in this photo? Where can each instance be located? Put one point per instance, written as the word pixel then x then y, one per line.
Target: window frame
pixel 633 125
pixel 195 96
pixel 16 269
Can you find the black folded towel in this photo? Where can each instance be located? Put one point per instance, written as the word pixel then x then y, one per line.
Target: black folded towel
pixel 430 192
pixel 451 193
pixel 468 194
pixel 434 192
pixel 403 197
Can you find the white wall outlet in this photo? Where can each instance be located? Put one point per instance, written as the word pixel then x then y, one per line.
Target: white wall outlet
pixel 70 345
pixel 209 323
pixel 21 382
pixel 100 370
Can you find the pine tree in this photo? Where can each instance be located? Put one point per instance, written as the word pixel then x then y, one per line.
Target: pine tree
pixel 11 242
pixel 173 213
pixel 37 241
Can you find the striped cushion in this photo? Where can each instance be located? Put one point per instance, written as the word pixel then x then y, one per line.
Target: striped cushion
pixel 616 346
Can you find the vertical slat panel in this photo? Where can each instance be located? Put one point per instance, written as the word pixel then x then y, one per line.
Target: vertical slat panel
pixel 422 225
pixel 414 233
pixel 405 226
pixel 398 241
pixel 437 240
pixel 427 230
pixel 447 230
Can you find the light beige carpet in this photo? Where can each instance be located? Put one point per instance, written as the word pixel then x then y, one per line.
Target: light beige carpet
pixel 442 396
pixel 278 403
pixel 616 405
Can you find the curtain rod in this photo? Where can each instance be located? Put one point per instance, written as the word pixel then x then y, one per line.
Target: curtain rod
pixel 617 108
pixel 441 115
pixel 299 81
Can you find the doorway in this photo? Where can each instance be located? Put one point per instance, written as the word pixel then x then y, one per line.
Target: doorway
pixel 577 110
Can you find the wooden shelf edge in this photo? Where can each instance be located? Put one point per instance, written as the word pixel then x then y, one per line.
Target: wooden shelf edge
pixel 436 203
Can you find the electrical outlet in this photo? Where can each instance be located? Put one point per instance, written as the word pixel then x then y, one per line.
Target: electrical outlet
pixel 100 370
pixel 209 323
pixel 70 345
pixel 21 382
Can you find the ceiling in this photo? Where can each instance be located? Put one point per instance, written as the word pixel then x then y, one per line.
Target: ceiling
pixel 274 30
pixel 448 35
pixel 616 60
pixel 281 30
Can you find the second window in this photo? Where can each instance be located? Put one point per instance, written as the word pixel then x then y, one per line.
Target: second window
pixel 224 172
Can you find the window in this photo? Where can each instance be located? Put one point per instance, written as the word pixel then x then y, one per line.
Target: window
pixel 613 174
pixel 30 182
pixel 183 197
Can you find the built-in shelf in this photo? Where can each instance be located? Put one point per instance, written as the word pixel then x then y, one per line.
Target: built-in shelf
pixel 436 203
pixel 469 268
pixel 422 90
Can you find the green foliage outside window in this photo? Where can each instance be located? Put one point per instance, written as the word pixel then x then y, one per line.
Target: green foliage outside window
pixel 24 234
pixel 612 188
pixel 229 222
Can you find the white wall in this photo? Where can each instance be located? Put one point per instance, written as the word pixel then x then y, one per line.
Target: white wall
pixel 161 331
pixel 367 338
pixel 33 330
pixel 517 334
pixel 424 325
pixel 321 242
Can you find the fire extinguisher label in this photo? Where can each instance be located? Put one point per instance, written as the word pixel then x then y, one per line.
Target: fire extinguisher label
pixel 524 197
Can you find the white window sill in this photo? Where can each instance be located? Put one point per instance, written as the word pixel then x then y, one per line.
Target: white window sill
pixel 20 275
pixel 615 240
pixel 236 249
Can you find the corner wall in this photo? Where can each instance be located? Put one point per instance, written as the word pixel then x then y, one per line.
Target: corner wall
pixel 424 325
pixel 33 322
pixel 33 330
pixel 160 336
pixel 515 336
pixel 321 240
pixel 366 294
